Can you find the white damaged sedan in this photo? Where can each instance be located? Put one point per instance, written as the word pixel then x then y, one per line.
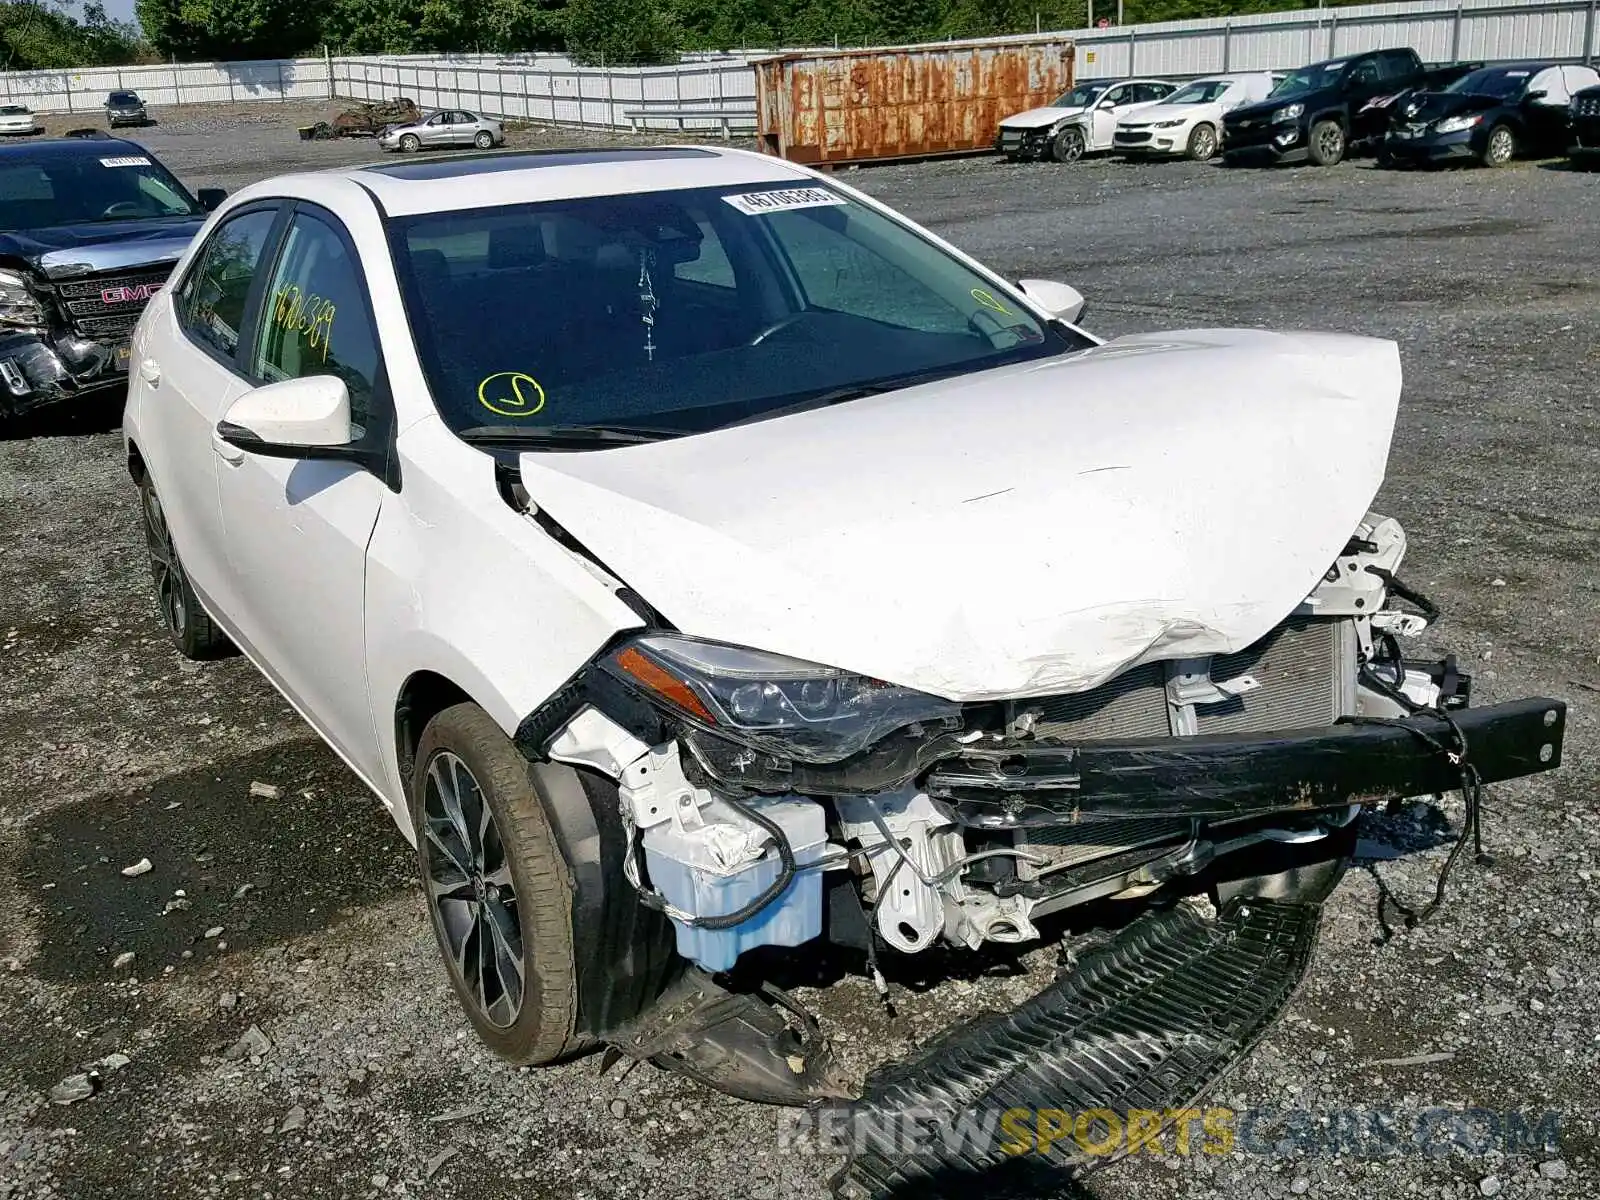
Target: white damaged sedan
pixel 708 567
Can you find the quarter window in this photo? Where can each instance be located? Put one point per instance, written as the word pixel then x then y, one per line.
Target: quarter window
pixel 211 303
pixel 315 319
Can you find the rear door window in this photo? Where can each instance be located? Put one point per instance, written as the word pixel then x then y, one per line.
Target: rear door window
pixel 211 300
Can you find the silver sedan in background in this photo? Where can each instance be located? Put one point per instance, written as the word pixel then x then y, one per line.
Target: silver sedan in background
pixel 447 127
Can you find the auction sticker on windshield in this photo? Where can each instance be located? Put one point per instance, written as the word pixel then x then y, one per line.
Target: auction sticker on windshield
pixel 754 204
pixel 129 160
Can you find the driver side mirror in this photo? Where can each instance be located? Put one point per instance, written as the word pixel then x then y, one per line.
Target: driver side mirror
pixel 211 197
pixel 298 418
pixel 1062 301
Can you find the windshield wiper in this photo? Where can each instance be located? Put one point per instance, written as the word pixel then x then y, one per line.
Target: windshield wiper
pixel 561 435
pixel 842 395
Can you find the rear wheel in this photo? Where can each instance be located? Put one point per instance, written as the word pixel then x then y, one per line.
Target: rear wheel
pixel 500 894
pixel 1501 147
pixel 1327 143
pixel 1203 143
pixel 1068 145
pixel 483 140
pixel 191 630
pixel 410 144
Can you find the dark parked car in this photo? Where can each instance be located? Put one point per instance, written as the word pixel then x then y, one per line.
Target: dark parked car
pixel 1322 112
pixel 1585 146
pixel 1490 116
pixel 92 226
pixel 125 108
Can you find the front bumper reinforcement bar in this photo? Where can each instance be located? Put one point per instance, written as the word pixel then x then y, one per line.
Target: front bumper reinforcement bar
pixel 1246 774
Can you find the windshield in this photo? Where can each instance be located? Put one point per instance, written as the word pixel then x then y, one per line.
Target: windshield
pixel 1202 91
pixel 678 312
pixel 1308 79
pixel 123 98
pixel 1502 82
pixel 1079 97
pixel 61 189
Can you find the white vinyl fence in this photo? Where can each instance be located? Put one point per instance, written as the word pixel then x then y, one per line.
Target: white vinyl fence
pixel 84 89
pixel 551 89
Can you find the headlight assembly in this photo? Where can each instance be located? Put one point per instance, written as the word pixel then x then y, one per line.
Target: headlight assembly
pixel 1169 124
pixel 777 705
pixel 1457 124
pixel 1289 112
pixel 18 306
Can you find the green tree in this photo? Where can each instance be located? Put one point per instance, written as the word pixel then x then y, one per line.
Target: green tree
pixel 620 31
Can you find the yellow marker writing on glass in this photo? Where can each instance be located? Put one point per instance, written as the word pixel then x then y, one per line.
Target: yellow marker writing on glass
pixel 511 394
pixel 988 301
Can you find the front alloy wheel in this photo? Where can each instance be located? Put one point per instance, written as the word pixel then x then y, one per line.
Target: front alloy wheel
pixel 471 889
pixel 1501 147
pixel 500 894
pixel 1202 143
pixel 410 144
pixel 187 623
pixel 1327 143
pixel 1068 145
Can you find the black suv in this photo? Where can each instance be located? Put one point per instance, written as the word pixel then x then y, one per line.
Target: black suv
pixel 1322 112
pixel 91 228
pixel 125 108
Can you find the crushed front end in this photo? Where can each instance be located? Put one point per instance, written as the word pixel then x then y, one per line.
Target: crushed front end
pixel 770 802
pixel 64 334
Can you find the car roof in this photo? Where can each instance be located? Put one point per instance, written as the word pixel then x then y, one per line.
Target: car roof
pixel 69 147
pixel 413 186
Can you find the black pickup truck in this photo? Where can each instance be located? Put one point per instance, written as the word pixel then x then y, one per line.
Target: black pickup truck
pixel 89 230
pixel 1325 111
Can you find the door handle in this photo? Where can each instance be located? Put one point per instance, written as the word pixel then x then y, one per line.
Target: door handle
pixel 150 371
pixel 228 453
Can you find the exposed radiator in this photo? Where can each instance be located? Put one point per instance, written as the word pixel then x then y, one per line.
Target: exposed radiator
pixel 1298 668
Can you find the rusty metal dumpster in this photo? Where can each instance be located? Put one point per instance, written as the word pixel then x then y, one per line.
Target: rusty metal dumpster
pixel 903 101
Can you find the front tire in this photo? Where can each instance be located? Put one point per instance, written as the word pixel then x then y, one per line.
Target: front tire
pixel 500 894
pixel 1327 143
pixel 1068 145
pixel 192 631
pixel 410 144
pixel 1203 143
pixel 1501 147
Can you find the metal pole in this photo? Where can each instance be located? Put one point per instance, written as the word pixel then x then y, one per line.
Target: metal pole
pixel 281 96
pixel 1119 20
pixel 1588 34
pixel 1089 19
pixel 1227 44
pixel 1333 33
pixel 1455 35
pixel 1131 47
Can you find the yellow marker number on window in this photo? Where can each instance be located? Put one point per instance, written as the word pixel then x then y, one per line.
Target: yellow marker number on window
pixel 988 301
pixel 511 394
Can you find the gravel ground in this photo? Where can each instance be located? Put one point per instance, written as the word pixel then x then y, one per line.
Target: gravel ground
pixel 282 1027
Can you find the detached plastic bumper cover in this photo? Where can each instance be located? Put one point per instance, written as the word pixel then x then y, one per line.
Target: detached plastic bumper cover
pixel 1247 774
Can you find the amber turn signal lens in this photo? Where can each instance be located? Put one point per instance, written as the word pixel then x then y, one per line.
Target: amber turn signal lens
pixel 663 683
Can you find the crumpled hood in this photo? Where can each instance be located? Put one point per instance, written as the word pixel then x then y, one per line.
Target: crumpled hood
pixel 1148 114
pixel 1040 118
pixel 1432 106
pixel 1018 532
pixel 67 250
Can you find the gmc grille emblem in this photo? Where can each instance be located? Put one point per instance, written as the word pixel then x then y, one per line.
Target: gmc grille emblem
pixel 127 295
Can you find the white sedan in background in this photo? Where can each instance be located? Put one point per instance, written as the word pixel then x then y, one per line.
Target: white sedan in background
pixel 1078 122
pixel 16 119
pixel 647 526
pixel 1188 122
